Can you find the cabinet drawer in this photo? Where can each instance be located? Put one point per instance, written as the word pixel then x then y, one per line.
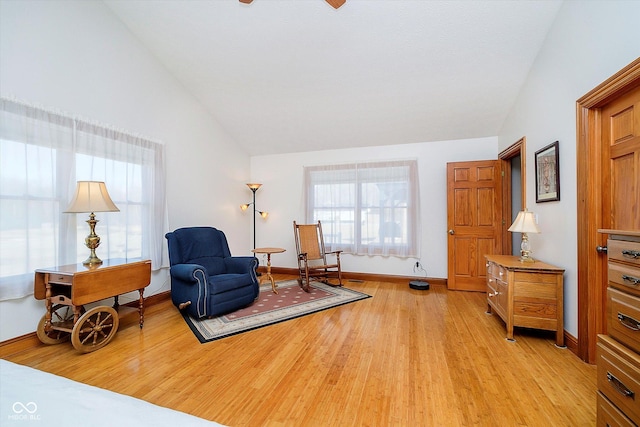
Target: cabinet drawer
pixel 61 279
pixel 496 270
pixel 491 284
pixel 609 415
pixel 623 318
pixel 619 376
pixel 624 277
pixel 623 250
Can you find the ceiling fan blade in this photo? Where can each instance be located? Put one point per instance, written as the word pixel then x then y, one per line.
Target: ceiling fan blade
pixel 336 3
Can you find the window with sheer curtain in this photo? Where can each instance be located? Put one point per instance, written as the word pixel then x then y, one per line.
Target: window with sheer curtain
pixel 42 156
pixel 366 208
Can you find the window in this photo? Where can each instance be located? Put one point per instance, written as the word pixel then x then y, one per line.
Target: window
pixel 366 208
pixel 42 156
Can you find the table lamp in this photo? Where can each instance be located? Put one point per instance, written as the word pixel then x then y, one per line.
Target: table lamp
pixel 91 197
pixel 525 223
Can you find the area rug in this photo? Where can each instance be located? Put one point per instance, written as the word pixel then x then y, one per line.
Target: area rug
pixel 290 302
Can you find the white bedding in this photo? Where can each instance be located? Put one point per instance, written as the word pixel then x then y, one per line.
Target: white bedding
pixel 29 397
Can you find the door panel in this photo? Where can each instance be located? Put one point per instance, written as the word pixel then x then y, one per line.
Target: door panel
pixel 621 162
pixel 621 146
pixel 474 219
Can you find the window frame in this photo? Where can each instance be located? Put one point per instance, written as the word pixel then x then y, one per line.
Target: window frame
pixel 358 175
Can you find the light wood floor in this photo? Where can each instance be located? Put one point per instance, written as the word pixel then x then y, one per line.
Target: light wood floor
pixel 402 358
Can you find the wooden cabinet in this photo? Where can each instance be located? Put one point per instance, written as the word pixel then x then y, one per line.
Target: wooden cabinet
pixel 528 295
pixel 618 352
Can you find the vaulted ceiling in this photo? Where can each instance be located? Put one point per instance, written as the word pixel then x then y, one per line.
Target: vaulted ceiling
pixel 297 75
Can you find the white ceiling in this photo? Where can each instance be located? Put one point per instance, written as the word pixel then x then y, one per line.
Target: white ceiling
pixel 297 75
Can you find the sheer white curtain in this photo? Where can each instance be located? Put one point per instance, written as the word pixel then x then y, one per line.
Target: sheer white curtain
pixel 42 155
pixel 366 208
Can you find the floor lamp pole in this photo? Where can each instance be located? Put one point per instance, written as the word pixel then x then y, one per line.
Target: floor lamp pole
pixel 254 189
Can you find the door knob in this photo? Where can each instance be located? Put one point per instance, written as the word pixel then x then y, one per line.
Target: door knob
pixel 452 232
pixel 601 249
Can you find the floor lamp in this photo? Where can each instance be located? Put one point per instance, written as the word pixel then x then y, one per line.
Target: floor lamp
pixel 254 188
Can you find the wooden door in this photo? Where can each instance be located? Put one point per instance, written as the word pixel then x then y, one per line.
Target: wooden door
pixel 608 169
pixel 474 221
pixel 620 121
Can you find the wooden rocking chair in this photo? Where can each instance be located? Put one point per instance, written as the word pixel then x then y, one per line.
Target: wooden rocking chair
pixel 312 257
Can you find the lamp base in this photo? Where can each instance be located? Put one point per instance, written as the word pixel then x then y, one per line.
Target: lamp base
pixel 527 259
pixel 92 260
pixel 92 241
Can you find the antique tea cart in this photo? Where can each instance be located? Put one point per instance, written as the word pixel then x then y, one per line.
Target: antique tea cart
pixel 67 289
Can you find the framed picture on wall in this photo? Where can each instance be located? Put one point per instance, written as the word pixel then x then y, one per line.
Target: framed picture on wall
pixel 548 174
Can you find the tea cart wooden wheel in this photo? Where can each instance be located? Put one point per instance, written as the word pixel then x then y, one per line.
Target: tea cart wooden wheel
pixel 60 315
pixel 95 329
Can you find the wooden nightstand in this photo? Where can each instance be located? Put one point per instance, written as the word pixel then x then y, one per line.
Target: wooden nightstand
pixel 528 295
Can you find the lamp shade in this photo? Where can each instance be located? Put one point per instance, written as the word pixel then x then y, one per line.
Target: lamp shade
pixel 525 222
pixel 91 196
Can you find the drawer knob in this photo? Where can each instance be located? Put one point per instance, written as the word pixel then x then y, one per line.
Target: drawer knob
pixel 631 254
pixel 619 386
pixel 629 322
pixel 632 280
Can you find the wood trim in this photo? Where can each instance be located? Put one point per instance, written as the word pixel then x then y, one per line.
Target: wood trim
pixel 616 85
pixel 30 340
pixel 151 300
pixel 404 280
pixel 571 342
pixel 517 148
pixel 18 344
pixel 591 266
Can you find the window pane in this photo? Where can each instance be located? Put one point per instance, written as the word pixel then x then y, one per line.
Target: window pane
pixel 366 208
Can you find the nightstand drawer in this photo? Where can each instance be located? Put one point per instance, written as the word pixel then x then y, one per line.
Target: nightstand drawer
pixel 623 318
pixel 619 376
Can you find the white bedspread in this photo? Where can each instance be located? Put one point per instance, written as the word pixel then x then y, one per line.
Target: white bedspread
pixel 29 397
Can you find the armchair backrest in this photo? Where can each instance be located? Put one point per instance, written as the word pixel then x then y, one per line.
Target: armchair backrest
pixel 206 246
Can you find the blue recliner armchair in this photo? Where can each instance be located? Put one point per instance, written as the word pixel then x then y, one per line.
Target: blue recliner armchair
pixel 206 280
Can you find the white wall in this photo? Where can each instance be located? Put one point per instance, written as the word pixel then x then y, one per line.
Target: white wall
pixel 76 56
pixel 282 196
pixel 588 42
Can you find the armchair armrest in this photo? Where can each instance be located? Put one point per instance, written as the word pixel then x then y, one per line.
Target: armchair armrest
pixel 240 264
pixel 187 272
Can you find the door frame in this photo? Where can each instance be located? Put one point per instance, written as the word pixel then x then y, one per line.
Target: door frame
pixel 592 266
pixel 505 156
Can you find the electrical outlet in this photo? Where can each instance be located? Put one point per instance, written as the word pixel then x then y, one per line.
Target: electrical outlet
pixel 417 264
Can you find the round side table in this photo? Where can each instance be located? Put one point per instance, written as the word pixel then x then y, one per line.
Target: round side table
pixel 269 251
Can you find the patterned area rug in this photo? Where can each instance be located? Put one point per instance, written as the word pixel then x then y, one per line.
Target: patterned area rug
pixel 290 302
